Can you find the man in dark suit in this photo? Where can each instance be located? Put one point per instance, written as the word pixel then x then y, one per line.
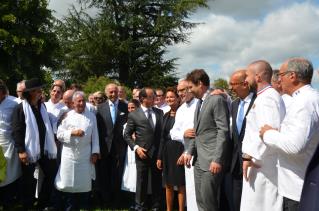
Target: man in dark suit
pixel 212 144
pixel 239 109
pixel 146 123
pixel 310 191
pixel 111 116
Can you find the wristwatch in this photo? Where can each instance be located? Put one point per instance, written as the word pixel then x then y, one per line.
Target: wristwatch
pixel 246 157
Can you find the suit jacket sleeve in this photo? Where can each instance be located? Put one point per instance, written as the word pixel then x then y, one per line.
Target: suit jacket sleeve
pixel 129 130
pixel 18 128
pixel 221 114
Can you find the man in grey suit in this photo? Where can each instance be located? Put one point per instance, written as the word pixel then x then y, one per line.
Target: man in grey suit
pixel 146 123
pixel 111 116
pixel 211 147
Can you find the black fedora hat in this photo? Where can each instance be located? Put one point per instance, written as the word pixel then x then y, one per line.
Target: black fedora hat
pixel 33 84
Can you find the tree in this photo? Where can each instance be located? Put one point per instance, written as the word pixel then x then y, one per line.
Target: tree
pixel 126 40
pixel 27 43
pixel 221 84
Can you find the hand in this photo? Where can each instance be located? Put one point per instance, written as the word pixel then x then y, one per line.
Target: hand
pixel 180 160
pixel 189 133
pixel 94 158
pixel 215 168
pixel 77 132
pixel 246 165
pixel 219 92
pixel 23 156
pixel 141 152
pixel 187 160
pixel 159 164
pixel 263 130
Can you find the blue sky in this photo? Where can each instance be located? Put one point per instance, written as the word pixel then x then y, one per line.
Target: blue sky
pixel 234 33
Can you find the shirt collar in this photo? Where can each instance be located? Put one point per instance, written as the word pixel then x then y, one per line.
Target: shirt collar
pixel 189 104
pixel 300 90
pixel 248 97
pixel 115 103
pixel 145 109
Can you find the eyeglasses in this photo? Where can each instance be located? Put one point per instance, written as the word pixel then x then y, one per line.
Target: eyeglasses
pixel 182 90
pixel 284 73
pixel 236 83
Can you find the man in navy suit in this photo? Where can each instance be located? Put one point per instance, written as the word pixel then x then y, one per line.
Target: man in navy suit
pixel 111 116
pixel 146 123
pixel 241 88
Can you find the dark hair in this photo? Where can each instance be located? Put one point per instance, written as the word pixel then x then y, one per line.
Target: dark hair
pixel 143 94
pixel 135 102
pixel 198 75
pixel 3 87
pixel 172 89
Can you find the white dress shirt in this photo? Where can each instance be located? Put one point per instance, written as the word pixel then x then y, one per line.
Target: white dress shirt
pixel 164 107
pixel 247 103
pixel 296 141
pixel 54 111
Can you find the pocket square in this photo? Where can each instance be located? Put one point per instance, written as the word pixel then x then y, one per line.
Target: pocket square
pixel 122 113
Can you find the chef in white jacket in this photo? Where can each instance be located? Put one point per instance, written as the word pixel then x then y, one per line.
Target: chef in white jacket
pixel 183 126
pixel 8 186
pixel 79 135
pixel 259 161
pixel 298 136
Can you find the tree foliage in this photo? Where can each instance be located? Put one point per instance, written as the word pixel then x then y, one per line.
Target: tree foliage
pixel 221 84
pixel 126 40
pixel 27 43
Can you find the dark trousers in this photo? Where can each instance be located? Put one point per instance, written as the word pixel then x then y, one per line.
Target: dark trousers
pixel 207 189
pixel 237 186
pixel 28 183
pixel 109 173
pixel 71 201
pixel 290 205
pixel 8 195
pixel 142 168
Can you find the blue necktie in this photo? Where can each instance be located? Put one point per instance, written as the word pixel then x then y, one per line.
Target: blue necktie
pixel 113 112
pixel 240 115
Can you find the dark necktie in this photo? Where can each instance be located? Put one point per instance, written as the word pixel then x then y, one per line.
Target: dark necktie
pixel 149 117
pixel 198 106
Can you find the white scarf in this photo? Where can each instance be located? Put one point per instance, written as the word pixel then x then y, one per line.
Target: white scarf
pixel 32 140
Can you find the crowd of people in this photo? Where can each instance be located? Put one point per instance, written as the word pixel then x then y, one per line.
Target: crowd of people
pixel 255 151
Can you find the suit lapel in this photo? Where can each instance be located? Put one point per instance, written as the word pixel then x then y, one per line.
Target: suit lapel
pixel 143 116
pixel 235 111
pixel 248 109
pixel 201 111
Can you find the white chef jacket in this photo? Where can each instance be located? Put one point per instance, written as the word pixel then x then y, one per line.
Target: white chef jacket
pixel 297 140
pixel 13 169
pixel 260 192
pixel 184 119
pixel 76 170
pixel 54 111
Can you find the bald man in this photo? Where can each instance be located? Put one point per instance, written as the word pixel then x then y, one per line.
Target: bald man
pixel 260 190
pixel 111 116
pixel 245 95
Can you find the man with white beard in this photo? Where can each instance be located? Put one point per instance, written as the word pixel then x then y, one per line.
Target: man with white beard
pixel 183 131
pixel 79 136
